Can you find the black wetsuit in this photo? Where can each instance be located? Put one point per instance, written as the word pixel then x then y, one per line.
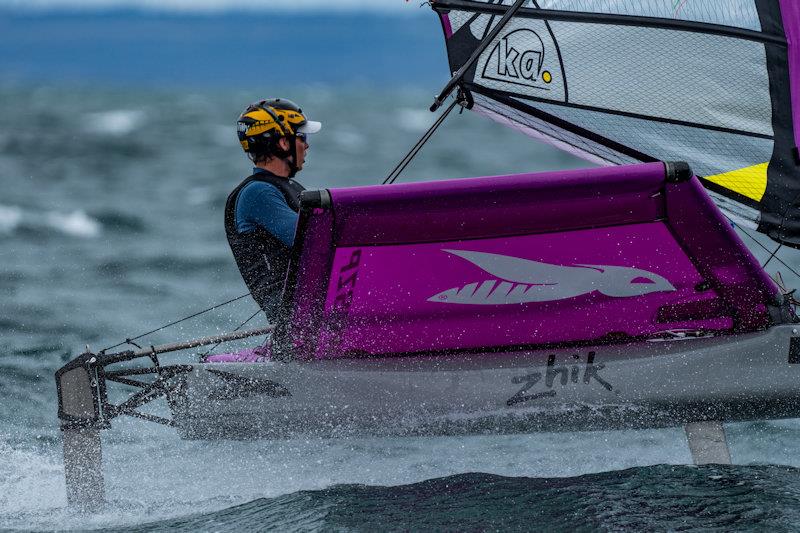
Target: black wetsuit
pixel 261 255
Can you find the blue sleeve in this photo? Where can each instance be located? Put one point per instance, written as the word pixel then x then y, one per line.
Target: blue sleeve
pixel 263 205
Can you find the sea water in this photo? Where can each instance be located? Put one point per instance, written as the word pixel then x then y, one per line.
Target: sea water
pixel 111 225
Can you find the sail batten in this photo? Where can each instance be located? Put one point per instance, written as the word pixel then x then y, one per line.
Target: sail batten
pixel 655 118
pixel 619 82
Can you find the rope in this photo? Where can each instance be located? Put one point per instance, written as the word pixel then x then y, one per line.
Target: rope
pixel 130 340
pixel 417 147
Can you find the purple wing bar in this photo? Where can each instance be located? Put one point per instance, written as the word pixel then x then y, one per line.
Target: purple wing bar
pixel 496 263
pixel 790 11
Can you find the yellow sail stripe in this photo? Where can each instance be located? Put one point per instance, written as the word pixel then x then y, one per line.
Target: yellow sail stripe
pixel 749 181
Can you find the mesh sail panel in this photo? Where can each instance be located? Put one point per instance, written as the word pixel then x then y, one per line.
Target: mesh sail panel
pixel 623 81
pixel 736 13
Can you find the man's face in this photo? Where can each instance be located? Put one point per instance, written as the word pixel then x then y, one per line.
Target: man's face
pixel 301 145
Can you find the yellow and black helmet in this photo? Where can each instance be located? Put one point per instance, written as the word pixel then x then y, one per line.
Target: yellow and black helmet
pixel 264 122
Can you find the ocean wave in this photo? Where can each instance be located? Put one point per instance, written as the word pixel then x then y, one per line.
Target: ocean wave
pixel 650 498
pixel 199 196
pixel 119 122
pixel 185 263
pixel 74 223
pixel 224 135
pixel 349 140
pixel 414 120
pixel 121 222
pixel 31 483
pixel 10 218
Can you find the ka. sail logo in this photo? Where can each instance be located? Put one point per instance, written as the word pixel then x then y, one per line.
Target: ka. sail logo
pixel 519 56
pixel 520 280
pixel 525 60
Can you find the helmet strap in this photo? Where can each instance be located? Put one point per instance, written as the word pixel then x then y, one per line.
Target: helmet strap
pixel 292 159
pixel 290 155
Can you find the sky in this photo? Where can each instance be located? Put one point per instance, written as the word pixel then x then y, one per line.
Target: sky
pixel 397 6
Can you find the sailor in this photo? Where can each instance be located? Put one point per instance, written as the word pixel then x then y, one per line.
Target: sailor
pixel 261 213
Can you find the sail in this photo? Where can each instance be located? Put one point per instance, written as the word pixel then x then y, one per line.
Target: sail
pixel 715 83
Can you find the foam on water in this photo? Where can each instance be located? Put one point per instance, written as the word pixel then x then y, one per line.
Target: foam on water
pixel 223 136
pixel 349 139
pixel 75 223
pixel 31 483
pixel 151 475
pixel 117 123
pixel 10 218
pixel 198 195
pixel 415 120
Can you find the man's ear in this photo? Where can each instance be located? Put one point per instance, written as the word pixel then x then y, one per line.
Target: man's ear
pixel 283 142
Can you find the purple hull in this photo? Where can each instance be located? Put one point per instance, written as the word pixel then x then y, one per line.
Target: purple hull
pixel 524 260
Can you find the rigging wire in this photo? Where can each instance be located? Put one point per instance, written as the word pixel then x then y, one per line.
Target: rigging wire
pixel 216 306
pixel 772 256
pixel 790 269
pixel 240 326
pixel 132 339
pixel 788 294
pixel 397 170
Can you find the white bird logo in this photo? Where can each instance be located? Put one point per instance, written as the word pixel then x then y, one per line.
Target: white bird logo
pixel 522 281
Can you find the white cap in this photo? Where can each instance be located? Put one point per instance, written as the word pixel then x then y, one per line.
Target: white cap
pixel 311 126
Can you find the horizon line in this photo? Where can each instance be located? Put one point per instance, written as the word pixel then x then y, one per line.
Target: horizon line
pixel 212 7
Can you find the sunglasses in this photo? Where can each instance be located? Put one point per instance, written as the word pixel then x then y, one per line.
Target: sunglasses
pixel 303 137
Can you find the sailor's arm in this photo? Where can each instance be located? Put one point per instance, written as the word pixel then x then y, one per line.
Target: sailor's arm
pixel 261 204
